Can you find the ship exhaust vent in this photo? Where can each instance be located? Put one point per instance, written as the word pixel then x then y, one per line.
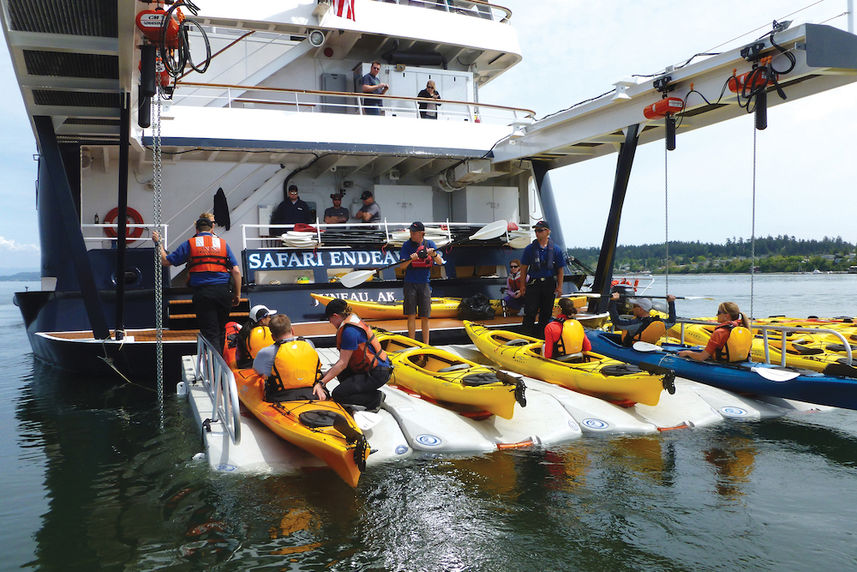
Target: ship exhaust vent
pixel 97 18
pixel 65 64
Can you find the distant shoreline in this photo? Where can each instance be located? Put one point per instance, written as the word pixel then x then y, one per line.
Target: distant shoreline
pixel 22 277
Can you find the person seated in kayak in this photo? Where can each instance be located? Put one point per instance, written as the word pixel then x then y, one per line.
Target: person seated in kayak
pixel 643 327
pixel 363 366
pixel 254 335
pixel 290 366
pixel 730 341
pixel 564 335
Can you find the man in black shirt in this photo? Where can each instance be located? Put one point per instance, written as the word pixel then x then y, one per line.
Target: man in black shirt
pixel 337 213
pixel 292 210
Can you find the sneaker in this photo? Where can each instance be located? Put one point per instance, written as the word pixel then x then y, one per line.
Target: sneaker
pixel 380 403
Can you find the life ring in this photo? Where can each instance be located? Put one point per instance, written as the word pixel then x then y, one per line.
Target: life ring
pixel 131 215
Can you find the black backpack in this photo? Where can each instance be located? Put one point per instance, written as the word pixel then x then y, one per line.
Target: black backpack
pixel 476 307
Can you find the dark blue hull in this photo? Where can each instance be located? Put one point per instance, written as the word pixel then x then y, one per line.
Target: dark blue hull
pixel 811 387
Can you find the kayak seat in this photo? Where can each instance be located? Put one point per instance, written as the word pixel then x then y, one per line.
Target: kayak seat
pixel 839 348
pixel 477 379
pixel 317 419
pixel 518 342
pixel 454 367
pixel 618 370
pixel 570 358
pixel 805 351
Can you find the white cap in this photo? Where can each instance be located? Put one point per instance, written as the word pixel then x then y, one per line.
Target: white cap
pixel 260 311
pixel 643 303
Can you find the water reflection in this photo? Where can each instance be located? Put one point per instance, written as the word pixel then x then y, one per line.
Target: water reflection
pixel 733 459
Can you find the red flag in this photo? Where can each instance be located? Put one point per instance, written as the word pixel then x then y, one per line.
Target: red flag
pixel 344 9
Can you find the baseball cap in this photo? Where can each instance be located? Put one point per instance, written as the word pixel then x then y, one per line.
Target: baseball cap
pixel 365 195
pixel 542 224
pixel 293 187
pixel 260 311
pixel 643 303
pixel 204 222
pixel 335 306
pixel 417 225
pixel 336 196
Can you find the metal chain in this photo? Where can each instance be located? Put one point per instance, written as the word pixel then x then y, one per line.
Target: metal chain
pixel 156 218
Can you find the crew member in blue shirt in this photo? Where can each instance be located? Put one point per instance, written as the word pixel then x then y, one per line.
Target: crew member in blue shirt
pixel 423 255
pixel 211 267
pixel 543 264
pixel 370 83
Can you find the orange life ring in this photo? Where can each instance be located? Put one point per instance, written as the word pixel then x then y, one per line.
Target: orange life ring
pixel 132 216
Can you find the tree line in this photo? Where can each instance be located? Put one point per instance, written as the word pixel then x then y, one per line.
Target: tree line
pixel 781 253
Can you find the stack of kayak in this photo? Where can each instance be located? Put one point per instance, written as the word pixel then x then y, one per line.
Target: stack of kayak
pixel 448 379
pixel 592 374
pixel 815 352
pixel 740 377
pixel 322 428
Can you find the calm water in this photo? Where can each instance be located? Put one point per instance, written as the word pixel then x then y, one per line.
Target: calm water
pixel 90 483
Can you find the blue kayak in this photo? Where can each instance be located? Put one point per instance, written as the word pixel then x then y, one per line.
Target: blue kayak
pixel 741 377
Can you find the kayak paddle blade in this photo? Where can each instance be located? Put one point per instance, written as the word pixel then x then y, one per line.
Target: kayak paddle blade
pixel 366 419
pixel 646 347
pixel 490 230
pixel 356 278
pixel 772 374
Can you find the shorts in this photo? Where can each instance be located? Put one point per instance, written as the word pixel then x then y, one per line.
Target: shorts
pixel 417 299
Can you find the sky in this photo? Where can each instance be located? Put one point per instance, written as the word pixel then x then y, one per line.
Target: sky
pixel 573 50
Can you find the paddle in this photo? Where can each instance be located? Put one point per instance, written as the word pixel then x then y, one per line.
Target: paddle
pixel 771 374
pixel 366 419
pixel 597 295
pixel 487 232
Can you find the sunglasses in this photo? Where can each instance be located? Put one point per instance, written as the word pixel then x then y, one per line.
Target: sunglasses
pixel 513 266
pixel 541 229
pixel 293 192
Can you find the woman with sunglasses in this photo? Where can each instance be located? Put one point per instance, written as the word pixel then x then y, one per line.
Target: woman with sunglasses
pixel 730 341
pixel 513 299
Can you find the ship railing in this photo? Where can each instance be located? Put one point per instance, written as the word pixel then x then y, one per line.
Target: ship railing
pixel 219 382
pixel 783 334
pixel 476 8
pixel 97 233
pixel 350 234
pixel 319 101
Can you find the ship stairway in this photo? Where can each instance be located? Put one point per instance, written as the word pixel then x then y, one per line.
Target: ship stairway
pixel 181 316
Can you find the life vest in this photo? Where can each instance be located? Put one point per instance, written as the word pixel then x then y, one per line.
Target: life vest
pixel 422 262
pixel 230 346
pixel 367 354
pixel 296 365
pixel 260 337
pixel 738 344
pixel 651 330
pixel 570 340
pixel 539 264
pixel 208 254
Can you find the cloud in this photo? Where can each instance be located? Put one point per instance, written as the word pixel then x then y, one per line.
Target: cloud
pixel 13 246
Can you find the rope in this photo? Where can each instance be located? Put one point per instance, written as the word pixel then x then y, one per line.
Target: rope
pixel 666 222
pixel 156 221
pixel 753 226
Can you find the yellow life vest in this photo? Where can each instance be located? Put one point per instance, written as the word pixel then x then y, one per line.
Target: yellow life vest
pixel 296 364
pixel 571 339
pixel 260 337
pixel 737 346
pixel 652 330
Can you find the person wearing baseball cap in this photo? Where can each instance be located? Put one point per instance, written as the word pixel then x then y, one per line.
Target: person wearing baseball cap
pixel 254 335
pixel 370 211
pixel 292 210
pixel 363 365
pixel 643 327
pixel 543 264
pixel 337 213
pixel 422 255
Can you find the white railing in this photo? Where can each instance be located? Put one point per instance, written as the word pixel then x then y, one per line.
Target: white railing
pixel 387 233
pixel 784 330
pixel 476 8
pixel 219 382
pixel 96 233
pixel 318 101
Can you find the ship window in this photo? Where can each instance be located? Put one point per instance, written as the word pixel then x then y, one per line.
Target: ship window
pixel 301 276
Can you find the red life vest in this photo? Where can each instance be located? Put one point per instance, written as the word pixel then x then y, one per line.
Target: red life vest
pixel 422 262
pixel 230 346
pixel 362 359
pixel 207 254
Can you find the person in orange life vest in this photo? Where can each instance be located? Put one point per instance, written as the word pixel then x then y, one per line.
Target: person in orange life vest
pixel 729 316
pixel 254 335
pixel 211 266
pixel 553 331
pixel 290 366
pixel 363 366
pixel 543 264
pixel 641 309
pixel 417 292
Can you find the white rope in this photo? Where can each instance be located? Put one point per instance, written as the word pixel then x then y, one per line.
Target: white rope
pixel 156 218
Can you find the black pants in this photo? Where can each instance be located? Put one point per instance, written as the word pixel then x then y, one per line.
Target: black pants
pixel 538 299
pixel 212 304
pixel 361 388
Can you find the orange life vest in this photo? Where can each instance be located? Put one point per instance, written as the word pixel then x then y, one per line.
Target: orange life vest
pixel 230 346
pixel 296 364
pixel 362 359
pixel 260 337
pixel 570 340
pixel 208 254
pixel 738 344
pixel 651 331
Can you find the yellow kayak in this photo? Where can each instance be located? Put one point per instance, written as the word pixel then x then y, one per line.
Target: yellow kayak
pixel 594 375
pixel 443 376
pixel 801 352
pixel 322 428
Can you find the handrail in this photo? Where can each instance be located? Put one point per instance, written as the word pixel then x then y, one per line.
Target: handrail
pixel 528 113
pixel 447 5
pixel 783 330
pixel 115 227
pixel 219 382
